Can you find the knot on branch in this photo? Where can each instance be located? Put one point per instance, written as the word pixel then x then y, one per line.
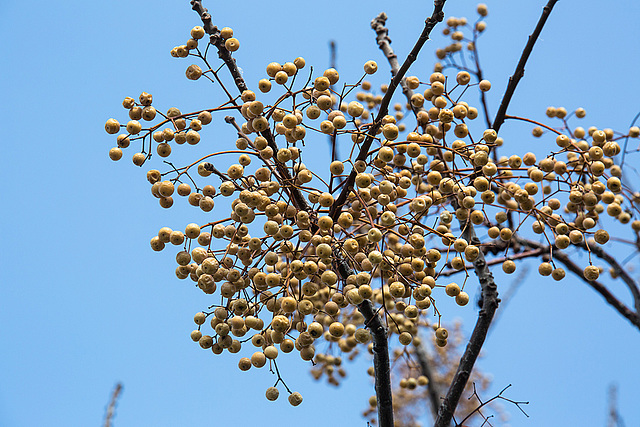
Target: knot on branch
pixel 382 32
pixel 379 21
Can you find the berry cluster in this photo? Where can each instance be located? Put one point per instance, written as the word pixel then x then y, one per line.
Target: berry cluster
pixel 293 253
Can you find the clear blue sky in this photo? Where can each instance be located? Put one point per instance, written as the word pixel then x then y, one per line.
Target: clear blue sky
pixel 84 302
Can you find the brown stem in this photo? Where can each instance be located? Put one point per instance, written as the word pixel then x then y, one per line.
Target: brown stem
pixel 563 258
pixel 111 409
pixel 621 272
pixel 380 351
pixel 490 303
pixel 519 73
pixel 384 43
pixel 430 23
pixel 218 42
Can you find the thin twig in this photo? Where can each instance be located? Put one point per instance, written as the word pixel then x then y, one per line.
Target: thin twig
pixel 111 409
pixel 617 268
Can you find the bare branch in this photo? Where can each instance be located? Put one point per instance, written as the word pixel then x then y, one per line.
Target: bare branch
pixel 433 388
pixel 617 268
pixel 562 257
pixel 111 409
pixel 519 73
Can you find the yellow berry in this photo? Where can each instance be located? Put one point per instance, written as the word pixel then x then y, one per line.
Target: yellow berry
pixel 193 72
pixel 197 32
pixel 370 67
pixel 452 289
pixel 295 398
pixel 272 393
pixel 115 154
pixel 232 44
pixel 226 33
pixel 485 85
pixel 112 126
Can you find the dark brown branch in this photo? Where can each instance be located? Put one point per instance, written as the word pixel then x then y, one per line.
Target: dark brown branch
pixel 111 409
pixel 380 351
pixel 563 258
pixel 519 73
pixel 384 43
pixel 373 322
pixel 430 23
pixel 490 302
pixel 621 272
pixel 218 42
pixel 214 34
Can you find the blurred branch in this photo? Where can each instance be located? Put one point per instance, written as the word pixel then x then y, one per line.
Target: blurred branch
pixel 433 388
pixel 111 409
pixel 512 291
pixel 617 268
pixel 614 416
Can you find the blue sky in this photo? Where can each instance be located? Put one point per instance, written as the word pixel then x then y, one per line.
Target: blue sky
pixel 85 303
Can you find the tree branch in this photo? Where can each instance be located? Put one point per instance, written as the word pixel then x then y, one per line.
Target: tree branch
pixel 214 35
pixel 384 43
pixel 490 299
pixel 430 23
pixel 490 303
pixel 380 350
pixel 621 272
pixel 218 42
pixel 433 388
pixel 111 409
pixel 519 73
pixel 562 257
